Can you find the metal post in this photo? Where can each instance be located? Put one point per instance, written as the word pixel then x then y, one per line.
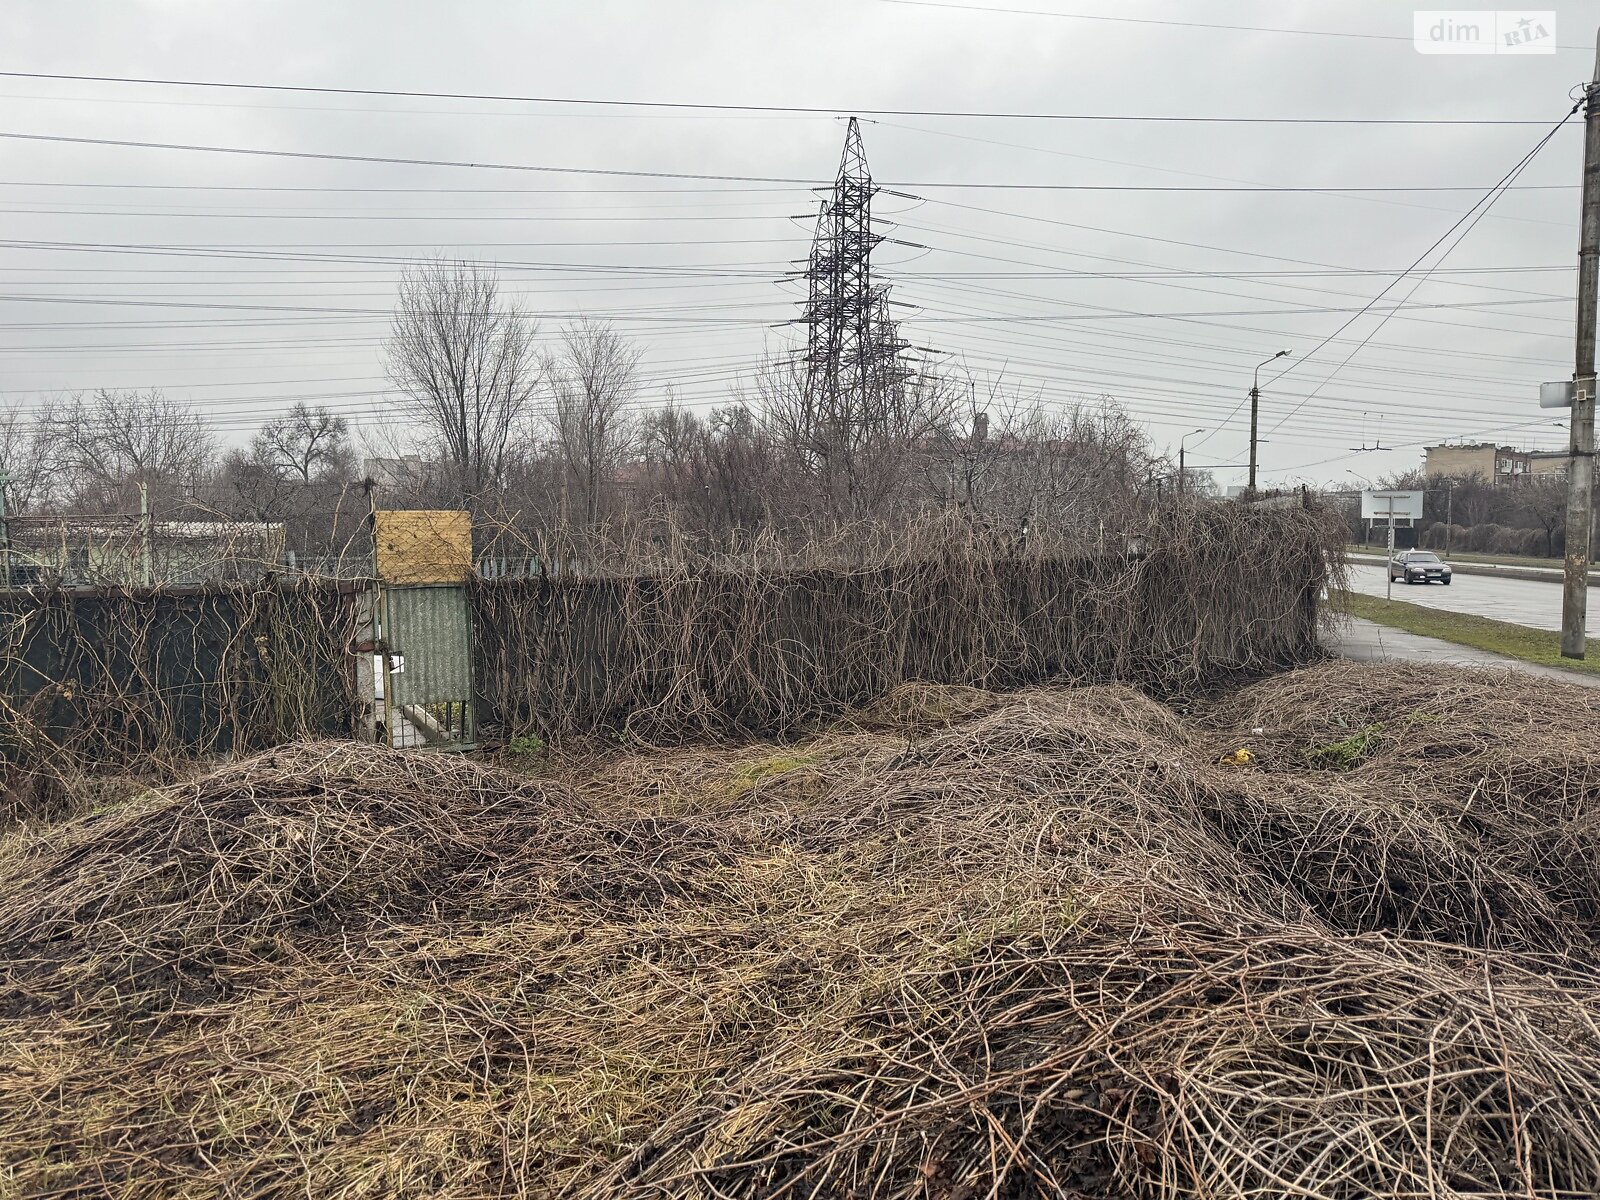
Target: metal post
pixel 1580 472
pixel 1180 469
pixel 1388 565
pixel 146 531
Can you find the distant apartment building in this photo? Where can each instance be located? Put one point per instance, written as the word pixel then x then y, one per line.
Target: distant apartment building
pixel 1548 462
pixel 1499 465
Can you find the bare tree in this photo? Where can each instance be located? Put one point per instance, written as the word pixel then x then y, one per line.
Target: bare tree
pixel 1466 499
pixel 1009 458
pixel 24 471
pixel 592 430
pixel 108 447
pixel 859 446
pixel 976 448
pixel 306 444
pixel 465 359
pixel 245 488
pixel 722 473
pixel 1543 499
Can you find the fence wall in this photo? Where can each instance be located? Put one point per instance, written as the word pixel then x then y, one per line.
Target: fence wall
pixel 694 651
pixel 96 679
pixel 662 645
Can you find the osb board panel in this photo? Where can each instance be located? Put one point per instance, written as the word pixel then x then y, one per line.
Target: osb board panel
pixel 430 546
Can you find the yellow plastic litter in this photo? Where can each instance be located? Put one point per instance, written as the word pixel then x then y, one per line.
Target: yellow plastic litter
pixel 1239 758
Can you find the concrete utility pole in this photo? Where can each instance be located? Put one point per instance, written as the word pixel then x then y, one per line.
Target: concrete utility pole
pixel 1449 512
pixel 1580 469
pixel 1255 412
pixel 1183 478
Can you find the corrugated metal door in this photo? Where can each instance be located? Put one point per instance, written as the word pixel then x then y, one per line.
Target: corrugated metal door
pixel 427 641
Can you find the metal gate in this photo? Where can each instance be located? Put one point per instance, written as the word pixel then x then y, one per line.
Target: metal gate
pixel 427 659
pixel 424 630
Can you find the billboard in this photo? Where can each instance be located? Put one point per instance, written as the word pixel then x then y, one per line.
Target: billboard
pixel 1382 506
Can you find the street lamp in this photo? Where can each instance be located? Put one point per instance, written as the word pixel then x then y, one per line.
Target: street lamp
pixel 1449 512
pixel 1182 476
pixel 1255 406
pixel 1366 525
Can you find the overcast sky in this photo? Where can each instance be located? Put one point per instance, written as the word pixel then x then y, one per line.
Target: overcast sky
pixel 242 283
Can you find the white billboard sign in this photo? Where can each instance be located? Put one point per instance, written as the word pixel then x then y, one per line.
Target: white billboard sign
pixel 1401 506
pixel 1556 395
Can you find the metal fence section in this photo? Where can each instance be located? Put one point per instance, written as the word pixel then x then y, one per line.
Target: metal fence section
pixel 427 681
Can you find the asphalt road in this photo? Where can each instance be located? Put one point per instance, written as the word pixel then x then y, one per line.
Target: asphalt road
pixel 1524 601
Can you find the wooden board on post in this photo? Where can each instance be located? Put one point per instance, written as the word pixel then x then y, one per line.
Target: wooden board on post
pixel 423 546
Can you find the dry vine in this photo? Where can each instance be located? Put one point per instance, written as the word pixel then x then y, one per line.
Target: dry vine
pixel 645 631
pixel 653 633
pixel 115 679
pixel 960 944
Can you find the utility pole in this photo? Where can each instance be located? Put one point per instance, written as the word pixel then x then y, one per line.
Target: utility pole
pixel 1449 518
pixel 1183 476
pixel 1255 409
pixel 1580 470
pixel 1255 412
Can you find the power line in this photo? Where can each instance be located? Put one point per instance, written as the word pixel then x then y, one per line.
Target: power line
pixel 1142 237
pixel 1061 250
pixel 1336 407
pixel 282 278
pixel 1110 315
pixel 323 156
pixel 1465 225
pixel 459 215
pixel 1468 219
pixel 1411 445
pixel 1361 195
pixel 814 110
pixel 257 187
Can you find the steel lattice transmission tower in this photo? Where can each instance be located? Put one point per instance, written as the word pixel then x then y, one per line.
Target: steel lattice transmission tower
pixel 855 375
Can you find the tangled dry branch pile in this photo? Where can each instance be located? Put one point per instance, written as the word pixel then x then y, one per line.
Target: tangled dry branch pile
pixel 960 944
pixel 665 639
pixel 113 679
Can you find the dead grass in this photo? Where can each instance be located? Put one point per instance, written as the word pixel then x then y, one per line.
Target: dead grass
pixel 1033 944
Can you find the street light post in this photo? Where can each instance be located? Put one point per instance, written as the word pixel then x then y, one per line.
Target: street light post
pixel 1255 410
pixel 1449 512
pixel 1366 525
pixel 1183 478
